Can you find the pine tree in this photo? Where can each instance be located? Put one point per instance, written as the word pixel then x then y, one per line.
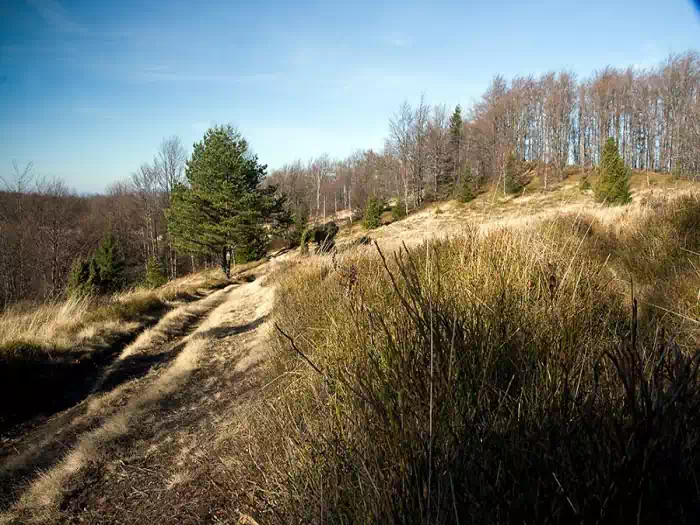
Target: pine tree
pixel 398 210
pixel 466 191
pixel 301 221
pixel 613 186
pixel 103 272
pixel 78 280
pixel 221 210
pixel 155 276
pixel 107 266
pixel 512 182
pixel 456 139
pixel 373 213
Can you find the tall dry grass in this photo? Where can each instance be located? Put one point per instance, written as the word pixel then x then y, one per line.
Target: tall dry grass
pixel 509 377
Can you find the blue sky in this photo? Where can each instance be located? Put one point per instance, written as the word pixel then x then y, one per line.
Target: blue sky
pixel 88 89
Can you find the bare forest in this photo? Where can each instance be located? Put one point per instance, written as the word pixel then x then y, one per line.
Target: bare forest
pixel 44 225
pixel 553 121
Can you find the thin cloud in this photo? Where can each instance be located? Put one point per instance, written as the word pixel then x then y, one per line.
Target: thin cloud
pixel 56 16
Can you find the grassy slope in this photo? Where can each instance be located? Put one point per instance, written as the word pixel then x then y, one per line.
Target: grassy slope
pixel 491 208
pixel 499 376
pixel 526 402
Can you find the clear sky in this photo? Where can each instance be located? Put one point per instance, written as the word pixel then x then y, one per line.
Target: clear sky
pixel 89 88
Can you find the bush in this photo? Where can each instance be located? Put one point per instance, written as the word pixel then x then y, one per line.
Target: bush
pixel 373 213
pixel 324 237
pixel 513 177
pixel 614 183
pixel 398 210
pixel 301 221
pixel 155 275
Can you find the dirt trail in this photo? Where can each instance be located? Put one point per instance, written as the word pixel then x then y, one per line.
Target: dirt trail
pixel 157 404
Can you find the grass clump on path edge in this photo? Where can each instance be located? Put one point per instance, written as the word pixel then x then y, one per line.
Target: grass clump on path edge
pixel 497 378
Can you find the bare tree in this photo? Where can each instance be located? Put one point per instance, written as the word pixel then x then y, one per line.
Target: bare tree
pixel 146 182
pixel 400 144
pixel 169 165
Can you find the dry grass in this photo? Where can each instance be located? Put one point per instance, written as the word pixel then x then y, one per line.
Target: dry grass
pixel 491 209
pixel 66 323
pixel 60 347
pixel 148 423
pixel 501 376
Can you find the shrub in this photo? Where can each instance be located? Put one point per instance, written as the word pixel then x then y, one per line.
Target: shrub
pixel 155 275
pixel 613 186
pixel 373 213
pixel 398 210
pixel 301 221
pixel 511 173
pixel 324 237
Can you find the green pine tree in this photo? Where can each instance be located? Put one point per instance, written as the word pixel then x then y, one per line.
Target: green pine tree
pixel 301 221
pixel 466 192
pixel 613 186
pixel 222 211
pixel 456 139
pixel 513 182
pixel 155 275
pixel 398 210
pixel 107 266
pixel 78 279
pixel 373 213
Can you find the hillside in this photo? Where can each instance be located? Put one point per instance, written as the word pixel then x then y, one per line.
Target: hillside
pixel 494 209
pixel 497 376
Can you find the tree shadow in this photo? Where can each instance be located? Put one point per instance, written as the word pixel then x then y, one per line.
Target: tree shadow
pixel 220 332
pixel 37 385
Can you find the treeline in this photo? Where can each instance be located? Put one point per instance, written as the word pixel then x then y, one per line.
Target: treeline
pixel 553 120
pixel 45 226
pixel 171 216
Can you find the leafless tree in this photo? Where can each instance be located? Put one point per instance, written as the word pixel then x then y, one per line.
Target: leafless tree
pixel 169 166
